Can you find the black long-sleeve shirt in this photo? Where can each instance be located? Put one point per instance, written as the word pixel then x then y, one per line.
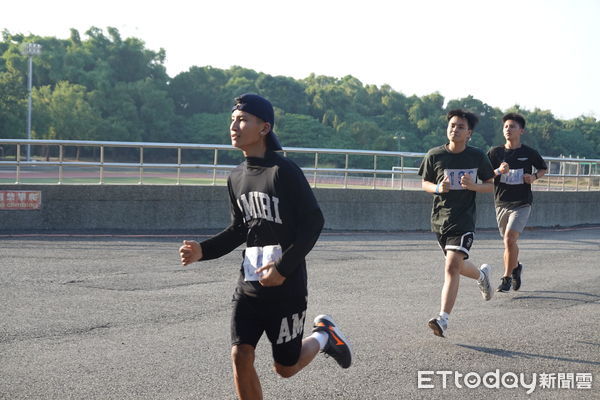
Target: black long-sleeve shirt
pixel 271 203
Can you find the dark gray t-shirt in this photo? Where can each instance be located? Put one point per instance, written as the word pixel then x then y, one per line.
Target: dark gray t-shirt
pixel 510 189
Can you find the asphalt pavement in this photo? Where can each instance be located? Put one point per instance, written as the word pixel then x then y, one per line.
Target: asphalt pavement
pixel 117 317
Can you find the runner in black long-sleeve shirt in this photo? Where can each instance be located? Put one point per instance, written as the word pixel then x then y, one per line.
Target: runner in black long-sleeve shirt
pixel 276 214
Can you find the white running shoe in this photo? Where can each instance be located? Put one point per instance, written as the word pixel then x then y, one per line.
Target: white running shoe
pixel 484 285
pixel 438 326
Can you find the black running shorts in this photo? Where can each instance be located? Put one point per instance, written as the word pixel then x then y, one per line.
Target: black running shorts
pixel 461 242
pixel 282 320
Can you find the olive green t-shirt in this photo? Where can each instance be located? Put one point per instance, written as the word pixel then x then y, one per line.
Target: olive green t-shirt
pixel 454 212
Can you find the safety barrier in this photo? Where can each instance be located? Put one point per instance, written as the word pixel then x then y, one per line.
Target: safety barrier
pixel 342 168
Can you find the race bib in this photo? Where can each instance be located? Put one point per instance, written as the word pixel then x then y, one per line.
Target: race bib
pixel 456 174
pixel 256 257
pixel 514 177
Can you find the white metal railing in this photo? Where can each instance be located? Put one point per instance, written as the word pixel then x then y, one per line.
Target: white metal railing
pixel 563 173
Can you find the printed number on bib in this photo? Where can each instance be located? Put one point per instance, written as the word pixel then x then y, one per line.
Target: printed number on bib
pixel 456 174
pixel 514 177
pixel 256 257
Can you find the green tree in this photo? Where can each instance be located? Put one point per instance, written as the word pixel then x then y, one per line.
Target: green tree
pixel 326 97
pixel 590 129
pixel 541 129
pixel 285 93
pixel 154 108
pixel 572 142
pixel 12 105
pixel 207 128
pixel 361 134
pixel 199 90
pixel 238 85
pixel 427 112
pixel 297 130
pixel 66 113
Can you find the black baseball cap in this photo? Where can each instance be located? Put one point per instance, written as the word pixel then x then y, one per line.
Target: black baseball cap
pixel 261 108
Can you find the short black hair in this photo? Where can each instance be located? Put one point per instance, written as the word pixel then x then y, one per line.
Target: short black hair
pixel 515 117
pixel 471 118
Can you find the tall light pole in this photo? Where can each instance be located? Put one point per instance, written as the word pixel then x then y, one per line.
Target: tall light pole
pixel 30 50
pixel 399 139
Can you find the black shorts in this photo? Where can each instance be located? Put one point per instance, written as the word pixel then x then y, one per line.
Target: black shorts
pixel 282 320
pixel 456 242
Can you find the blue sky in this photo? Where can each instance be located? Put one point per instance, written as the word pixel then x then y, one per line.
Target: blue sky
pixel 535 53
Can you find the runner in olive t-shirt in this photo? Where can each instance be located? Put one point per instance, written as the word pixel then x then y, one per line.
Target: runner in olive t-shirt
pixel 450 173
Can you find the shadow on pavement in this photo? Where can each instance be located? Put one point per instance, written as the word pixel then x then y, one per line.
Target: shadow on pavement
pixel 515 354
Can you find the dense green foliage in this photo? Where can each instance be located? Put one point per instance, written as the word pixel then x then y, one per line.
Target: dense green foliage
pixel 104 87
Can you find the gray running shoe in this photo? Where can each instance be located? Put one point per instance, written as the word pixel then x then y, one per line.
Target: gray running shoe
pixel 484 285
pixel 516 277
pixel 438 326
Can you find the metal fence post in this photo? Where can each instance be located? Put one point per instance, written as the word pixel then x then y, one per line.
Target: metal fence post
pixel 401 172
pixel 215 163
pixel 141 181
pixel 316 166
pixel 18 163
pixel 374 172
pixel 346 172
pixel 102 164
pixel 577 171
pixel 548 177
pixel 178 165
pixel 60 165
